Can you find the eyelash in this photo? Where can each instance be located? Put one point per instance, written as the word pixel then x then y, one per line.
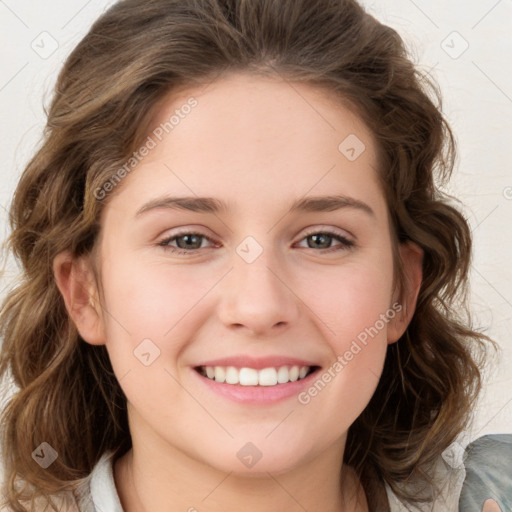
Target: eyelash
pixel 346 244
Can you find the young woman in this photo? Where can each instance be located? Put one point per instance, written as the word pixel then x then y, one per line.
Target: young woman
pixel 241 284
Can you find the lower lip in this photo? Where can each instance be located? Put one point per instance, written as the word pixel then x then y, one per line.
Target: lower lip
pixel 260 395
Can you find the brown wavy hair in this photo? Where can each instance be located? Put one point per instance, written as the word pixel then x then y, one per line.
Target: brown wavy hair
pixel 134 55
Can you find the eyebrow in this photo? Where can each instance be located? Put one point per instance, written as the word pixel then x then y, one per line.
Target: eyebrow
pixel 212 205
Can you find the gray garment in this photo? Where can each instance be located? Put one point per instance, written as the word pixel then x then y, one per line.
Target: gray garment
pixel 488 473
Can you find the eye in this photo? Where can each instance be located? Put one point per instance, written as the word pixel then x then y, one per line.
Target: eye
pixel 188 242
pixel 324 238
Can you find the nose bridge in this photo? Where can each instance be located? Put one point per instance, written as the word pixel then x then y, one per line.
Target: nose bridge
pixel 256 295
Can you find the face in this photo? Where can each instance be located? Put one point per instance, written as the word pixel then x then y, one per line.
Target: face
pixel 255 289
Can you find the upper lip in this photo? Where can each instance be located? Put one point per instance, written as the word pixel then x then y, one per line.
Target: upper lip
pixel 258 363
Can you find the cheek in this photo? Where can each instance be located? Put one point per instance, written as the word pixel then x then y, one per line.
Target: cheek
pixel 150 300
pixel 158 302
pixel 350 300
pixel 355 311
pixel 150 307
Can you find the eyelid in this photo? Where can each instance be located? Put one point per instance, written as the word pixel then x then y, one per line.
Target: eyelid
pixel 329 229
pixel 184 232
pixel 337 233
pixel 310 230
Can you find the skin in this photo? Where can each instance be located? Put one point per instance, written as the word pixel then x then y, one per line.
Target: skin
pixel 259 144
pixel 490 506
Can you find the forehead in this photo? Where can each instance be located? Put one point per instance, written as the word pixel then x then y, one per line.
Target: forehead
pixel 248 138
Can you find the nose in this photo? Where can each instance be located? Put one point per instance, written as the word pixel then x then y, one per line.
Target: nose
pixel 259 297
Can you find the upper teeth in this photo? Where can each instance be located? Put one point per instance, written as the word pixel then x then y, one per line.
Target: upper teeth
pixel 252 377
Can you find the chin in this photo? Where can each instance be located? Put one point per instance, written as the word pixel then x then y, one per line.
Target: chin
pixel 256 461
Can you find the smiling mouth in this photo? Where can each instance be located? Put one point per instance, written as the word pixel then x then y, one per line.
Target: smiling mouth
pixel 271 376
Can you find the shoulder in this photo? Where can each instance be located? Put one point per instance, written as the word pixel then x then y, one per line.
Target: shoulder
pixel 488 463
pixel 64 502
pixel 94 493
pixel 98 492
pixel 467 478
pixel 447 475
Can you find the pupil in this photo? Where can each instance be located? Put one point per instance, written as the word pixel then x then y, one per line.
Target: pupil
pixel 188 239
pixel 316 237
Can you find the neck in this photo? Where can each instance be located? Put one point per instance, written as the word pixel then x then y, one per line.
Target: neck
pixel 171 484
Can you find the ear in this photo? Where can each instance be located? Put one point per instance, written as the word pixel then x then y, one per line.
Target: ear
pixel 76 282
pixel 412 262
